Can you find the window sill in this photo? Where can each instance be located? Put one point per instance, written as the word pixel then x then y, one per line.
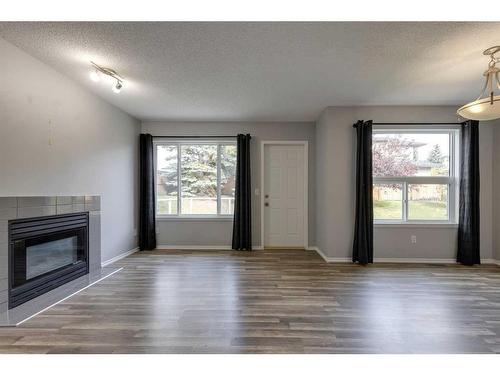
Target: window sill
pixel 195 218
pixel 415 225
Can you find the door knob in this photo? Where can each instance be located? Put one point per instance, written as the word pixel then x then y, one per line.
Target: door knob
pixel 267 196
pixel 266 204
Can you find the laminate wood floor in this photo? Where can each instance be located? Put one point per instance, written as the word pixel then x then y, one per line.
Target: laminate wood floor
pixel 270 301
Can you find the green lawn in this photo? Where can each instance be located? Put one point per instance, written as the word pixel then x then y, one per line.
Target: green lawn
pixel 391 210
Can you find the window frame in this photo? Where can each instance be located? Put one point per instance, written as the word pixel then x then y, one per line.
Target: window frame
pixel 178 142
pixel 452 180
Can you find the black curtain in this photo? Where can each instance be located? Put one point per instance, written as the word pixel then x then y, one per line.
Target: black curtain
pixel 147 229
pixel 242 224
pixel 468 214
pixel 362 249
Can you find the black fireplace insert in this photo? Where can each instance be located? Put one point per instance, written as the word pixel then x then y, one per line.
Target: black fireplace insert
pixel 46 252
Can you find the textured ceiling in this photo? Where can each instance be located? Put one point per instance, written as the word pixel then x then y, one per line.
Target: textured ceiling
pixel 265 71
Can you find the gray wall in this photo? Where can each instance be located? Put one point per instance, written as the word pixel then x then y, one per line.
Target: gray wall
pixel 58 139
pixel 335 147
pixel 215 233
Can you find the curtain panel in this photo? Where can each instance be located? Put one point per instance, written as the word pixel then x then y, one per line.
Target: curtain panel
pixel 468 212
pixel 242 224
pixel 362 249
pixel 147 214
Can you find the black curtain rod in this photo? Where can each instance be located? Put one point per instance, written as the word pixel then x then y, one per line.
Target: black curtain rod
pixel 194 136
pixel 414 123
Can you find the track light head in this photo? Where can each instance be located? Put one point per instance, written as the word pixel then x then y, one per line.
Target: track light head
pixel 94 75
pixel 116 88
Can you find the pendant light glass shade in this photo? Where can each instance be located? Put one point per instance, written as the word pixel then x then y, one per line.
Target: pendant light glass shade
pixel 481 110
pixel 486 107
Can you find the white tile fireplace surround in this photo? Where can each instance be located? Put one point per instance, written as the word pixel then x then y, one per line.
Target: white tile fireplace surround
pixel 12 208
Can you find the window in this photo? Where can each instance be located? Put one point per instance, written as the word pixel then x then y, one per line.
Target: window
pixel 415 175
pixel 195 178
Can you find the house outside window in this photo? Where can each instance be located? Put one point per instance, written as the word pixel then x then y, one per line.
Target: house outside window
pixel 415 175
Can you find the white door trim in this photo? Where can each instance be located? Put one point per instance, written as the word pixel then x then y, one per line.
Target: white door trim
pixel 306 185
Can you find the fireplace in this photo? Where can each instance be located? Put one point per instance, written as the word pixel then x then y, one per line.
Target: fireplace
pixel 46 252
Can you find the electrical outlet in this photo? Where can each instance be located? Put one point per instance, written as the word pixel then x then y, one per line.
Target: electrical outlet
pixel 413 238
pixel 257 192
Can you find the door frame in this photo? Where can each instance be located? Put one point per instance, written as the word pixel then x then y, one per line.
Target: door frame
pixel 263 145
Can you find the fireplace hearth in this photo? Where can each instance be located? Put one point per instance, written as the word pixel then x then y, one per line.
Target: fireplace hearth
pixel 45 253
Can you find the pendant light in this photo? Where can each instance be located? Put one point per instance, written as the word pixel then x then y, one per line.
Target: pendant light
pixel 486 107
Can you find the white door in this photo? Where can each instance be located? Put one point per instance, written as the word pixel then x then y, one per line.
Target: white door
pixel 284 195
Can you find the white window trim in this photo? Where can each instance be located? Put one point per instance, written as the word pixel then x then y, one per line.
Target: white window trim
pixel 452 180
pixel 190 141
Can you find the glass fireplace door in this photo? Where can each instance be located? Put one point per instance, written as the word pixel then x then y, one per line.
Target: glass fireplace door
pixel 49 256
pixel 46 254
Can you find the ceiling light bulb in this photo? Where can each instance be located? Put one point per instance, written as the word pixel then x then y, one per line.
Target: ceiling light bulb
pixel 116 88
pixel 94 76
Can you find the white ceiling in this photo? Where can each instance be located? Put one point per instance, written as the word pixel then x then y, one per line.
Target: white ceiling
pixel 265 71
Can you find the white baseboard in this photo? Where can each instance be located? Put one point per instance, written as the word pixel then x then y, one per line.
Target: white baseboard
pixel 396 260
pixel 490 261
pixel 198 247
pixel 118 257
pixel 192 247
pixel 416 260
pixel 326 258
pixel 427 260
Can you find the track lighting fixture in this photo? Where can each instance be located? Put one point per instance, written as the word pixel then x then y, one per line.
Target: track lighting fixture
pixel 95 76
